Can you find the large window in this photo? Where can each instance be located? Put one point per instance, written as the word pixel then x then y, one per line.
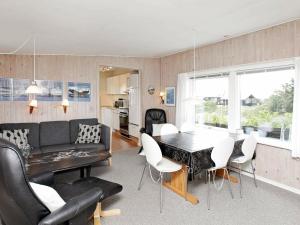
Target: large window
pixel 260 98
pixel 266 99
pixel 211 106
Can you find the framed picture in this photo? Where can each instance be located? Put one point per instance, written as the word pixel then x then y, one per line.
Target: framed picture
pixel 6 89
pixel 170 96
pixel 80 92
pixel 19 89
pixel 51 90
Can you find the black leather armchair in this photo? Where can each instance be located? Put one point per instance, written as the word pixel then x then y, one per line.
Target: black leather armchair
pixel 20 206
pixel 153 116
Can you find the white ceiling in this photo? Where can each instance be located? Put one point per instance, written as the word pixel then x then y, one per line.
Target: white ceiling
pixel 143 28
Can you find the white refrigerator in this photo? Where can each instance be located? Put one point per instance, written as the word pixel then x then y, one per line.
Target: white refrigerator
pixel 134 104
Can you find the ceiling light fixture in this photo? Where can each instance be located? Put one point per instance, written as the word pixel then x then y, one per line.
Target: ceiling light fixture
pixel 33 88
pixel 106 68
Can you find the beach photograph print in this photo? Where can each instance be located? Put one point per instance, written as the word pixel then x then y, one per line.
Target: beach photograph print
pixel 19 89
pixel 80 92
pixel 51 90
pixel 6 89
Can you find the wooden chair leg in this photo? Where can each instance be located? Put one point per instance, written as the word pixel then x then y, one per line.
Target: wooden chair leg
pixel 97 215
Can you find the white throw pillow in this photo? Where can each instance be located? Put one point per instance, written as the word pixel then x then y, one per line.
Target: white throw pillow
pixel 48 196
pixel 19 138
pixel 89 134
pixel 156 129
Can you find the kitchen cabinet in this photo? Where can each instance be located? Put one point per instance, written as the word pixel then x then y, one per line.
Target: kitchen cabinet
pixel 123 83
pixel 117 85
pixel 134 130
pixel 107 116
pixel 116 119
pixel 133 81
pixel 110 117
pixel 113 85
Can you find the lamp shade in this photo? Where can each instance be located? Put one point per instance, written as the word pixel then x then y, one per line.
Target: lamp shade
pixel 33 89
pixel 33 103
pixel 65 102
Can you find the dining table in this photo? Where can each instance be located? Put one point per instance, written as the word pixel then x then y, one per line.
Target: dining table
pixel 193 151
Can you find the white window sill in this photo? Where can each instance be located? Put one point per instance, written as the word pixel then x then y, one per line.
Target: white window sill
pixel 261 140
pixel 274 143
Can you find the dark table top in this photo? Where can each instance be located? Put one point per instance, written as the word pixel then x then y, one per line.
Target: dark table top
pixel 194 148
pixel 64 160
pixel 193 141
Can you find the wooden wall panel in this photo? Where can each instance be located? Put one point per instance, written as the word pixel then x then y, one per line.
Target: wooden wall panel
pixel 275 43
pixel 71 68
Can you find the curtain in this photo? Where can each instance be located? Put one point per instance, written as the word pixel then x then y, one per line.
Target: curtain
pixel 185 105
pixel 296 113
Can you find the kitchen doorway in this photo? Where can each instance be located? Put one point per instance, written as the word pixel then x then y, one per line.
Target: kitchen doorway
pixel 119 96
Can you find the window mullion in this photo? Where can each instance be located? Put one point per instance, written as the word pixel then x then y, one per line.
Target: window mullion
pixel 233 102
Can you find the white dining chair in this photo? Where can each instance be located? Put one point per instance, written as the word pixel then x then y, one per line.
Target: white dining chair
pixel 186 127
pixel 163 129
pixel 158 130
pixel 168 128
pixel 220 156
pixel 248 149
pixel 154 158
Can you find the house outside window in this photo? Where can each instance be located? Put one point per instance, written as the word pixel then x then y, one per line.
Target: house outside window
pixel 266 97
pixel 255 98
pixel 211 102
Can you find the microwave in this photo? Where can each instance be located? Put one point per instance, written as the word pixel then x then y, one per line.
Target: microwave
pixel 121 103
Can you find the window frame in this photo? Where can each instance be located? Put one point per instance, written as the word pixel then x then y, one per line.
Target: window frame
pixel 234 106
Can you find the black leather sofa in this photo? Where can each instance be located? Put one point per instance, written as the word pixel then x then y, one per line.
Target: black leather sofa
pixel 55 136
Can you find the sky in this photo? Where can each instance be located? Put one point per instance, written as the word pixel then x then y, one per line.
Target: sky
pixel 261 85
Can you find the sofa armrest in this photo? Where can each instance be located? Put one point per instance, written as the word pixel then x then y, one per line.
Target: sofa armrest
pixel 73 208
pixel 105 136
pixel 46 178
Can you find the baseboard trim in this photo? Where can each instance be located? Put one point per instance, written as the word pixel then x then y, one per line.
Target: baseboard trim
pixel 272 182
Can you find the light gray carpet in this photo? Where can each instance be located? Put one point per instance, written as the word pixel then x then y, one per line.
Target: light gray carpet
pixel 265 205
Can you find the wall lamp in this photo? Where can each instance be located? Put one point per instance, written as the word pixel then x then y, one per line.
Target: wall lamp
pixel 65 104
pixel 32 105
pixel 161 95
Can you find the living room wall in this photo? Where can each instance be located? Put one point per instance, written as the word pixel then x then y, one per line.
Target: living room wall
pixel 275 43
pixel 71 68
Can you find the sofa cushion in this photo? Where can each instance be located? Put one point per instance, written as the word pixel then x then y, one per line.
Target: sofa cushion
pixel 54 133
pixel 89 134
pixel 74 126
pixel 19 138
pixel 34 133
pixel 57 148
pixel 91 145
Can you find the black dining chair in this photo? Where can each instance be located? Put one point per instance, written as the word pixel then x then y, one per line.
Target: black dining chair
pixel 153 116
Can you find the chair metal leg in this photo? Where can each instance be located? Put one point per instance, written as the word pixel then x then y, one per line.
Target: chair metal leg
pixel 140 183
pixel 161 190
pixel 240 171
pixel 205 177
pixel 253 171
pixel 229 183
pixel 208 190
